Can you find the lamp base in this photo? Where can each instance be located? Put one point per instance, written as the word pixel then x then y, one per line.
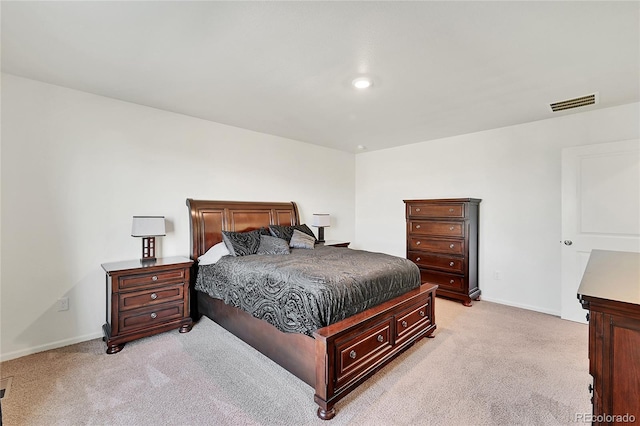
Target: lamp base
pixel 321 234
pixel 148 250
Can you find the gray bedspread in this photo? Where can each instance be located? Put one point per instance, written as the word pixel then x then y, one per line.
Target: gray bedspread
pixel 308 289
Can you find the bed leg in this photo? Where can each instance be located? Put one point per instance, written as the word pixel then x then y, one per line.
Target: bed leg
pixel 326 414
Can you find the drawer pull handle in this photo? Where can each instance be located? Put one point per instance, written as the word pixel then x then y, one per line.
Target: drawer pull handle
pixel 451 263
pixel 353 355
pixel 417 226
pixel 154 296
pixel 451 228
pixel 421 313
pixel 404 324
pixel 154 278
pixel 450 210
pixel 451 245
pixel 450 281
pixel 418 259
pixel 380 338
pixel 417 210
pixel 154 315
pixel 418 243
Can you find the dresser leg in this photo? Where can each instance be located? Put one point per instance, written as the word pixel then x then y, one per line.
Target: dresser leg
pixel 326 414
pixel 114 349
pixel 185 328
pixel 467 303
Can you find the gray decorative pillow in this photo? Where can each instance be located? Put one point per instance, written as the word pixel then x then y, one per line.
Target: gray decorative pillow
pixel 286 232
pixel 302 240
pixel 242 243
pixel 272 245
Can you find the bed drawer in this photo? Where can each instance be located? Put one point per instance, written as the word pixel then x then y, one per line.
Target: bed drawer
pixel 445 263
pixel 140 280
pixel 360 351
pixel 436 210
pixel 408 322
pixel 438 228
pixel 436 245
pixel 151 297
pixel 150 316
pixel 444 281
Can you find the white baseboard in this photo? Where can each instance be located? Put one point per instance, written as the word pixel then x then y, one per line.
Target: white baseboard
pixel 519 305
pixel 49 346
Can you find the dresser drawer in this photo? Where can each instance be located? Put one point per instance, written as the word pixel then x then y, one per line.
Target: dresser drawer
pixel 150 316
pixel 154 296
pixel 436 210
pixel 360 351
pixel 152 278
pixel 436 245
pixel 407 323
pixel 445 263
pixel 437 228
pixel 444 280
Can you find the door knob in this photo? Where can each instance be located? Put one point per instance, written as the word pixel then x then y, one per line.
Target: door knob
pixel 568 242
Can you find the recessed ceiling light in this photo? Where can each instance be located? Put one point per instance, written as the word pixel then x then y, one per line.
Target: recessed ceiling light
pixel 362 83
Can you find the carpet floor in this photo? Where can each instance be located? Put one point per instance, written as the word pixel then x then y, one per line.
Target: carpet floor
pixel 488 365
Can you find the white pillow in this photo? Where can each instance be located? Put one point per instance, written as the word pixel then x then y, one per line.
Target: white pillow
pixel 214 254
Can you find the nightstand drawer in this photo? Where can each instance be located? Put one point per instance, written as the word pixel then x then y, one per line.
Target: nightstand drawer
pixel 443 280
pixel 151 278
pixel 445 263
pixel 150 316
pixel 139 299
pixel 436 210
pixel 439 246
pixel 436 228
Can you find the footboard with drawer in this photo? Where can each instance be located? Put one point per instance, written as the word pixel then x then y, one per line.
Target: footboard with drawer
pixel 357 347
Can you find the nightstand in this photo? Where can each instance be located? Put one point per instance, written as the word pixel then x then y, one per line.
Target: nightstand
pixel 145 299
pixel 336 243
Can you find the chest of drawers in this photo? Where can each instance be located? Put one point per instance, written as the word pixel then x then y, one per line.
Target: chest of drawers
pixel 442 239
pixel 145 299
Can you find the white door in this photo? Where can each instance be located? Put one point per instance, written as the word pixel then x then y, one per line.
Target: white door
pixel 600 210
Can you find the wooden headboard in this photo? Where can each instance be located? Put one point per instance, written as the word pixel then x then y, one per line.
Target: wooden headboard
pixel 208 219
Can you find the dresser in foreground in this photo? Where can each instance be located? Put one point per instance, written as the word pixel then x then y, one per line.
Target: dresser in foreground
pixel 610 291
pixel 145 299
pixel 442 239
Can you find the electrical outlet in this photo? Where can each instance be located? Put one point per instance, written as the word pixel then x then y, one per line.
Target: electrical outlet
pixel 497 275
pixel 63 304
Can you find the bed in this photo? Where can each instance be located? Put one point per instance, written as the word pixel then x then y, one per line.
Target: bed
pixel 334 359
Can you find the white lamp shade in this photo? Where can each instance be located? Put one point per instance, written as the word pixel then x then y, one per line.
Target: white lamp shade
pixel 148 226
pixel 321 219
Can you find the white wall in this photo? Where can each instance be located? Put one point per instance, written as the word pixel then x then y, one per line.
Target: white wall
pixel 515 171
pixel 76 167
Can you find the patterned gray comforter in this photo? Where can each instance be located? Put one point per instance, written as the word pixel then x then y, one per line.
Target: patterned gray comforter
pixel 308 289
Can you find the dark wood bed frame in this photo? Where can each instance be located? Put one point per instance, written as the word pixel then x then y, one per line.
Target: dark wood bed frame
pixel 339 357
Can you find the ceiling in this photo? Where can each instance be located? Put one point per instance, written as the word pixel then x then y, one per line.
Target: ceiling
pixel 285 68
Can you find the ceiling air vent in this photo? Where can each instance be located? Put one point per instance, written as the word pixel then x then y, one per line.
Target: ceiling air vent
pixel 591 99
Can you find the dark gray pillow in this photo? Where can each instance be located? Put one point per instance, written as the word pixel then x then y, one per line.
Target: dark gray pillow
pixel 272 245
pixel 286 232
pixel 242 243
pixel 302 240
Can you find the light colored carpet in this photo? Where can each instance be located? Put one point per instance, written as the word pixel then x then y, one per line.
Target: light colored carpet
pixel 488 365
